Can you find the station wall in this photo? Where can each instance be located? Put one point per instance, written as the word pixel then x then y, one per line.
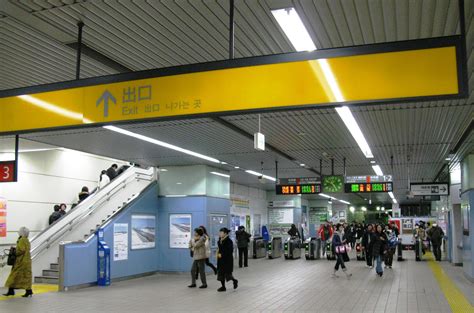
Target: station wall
pixel 46 178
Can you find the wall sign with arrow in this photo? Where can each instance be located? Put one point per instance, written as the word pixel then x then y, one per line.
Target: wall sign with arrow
pixel 429 189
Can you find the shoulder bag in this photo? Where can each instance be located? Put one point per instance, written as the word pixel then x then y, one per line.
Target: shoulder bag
pixel 11 256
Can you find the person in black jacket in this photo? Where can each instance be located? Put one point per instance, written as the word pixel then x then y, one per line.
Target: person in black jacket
pixel 225 259
pixel 294 232
pixel 379 248
pixel 112 171
pixel 56 215
pixel 367 245
pixel 83 194
pixel 243 239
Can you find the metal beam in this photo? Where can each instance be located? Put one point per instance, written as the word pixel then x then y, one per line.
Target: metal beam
pixel 99 57
pixel 239 130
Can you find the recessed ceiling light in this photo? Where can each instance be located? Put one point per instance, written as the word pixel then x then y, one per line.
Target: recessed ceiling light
pixel 372 162
pixel 179 183
pixel 302 164
pixel 236 167
pixel 160 143
pixel 293 27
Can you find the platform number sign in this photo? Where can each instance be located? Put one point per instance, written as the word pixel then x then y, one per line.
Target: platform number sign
pixel 7 172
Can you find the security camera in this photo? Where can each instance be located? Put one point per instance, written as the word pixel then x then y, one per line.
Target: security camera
pixel 261 179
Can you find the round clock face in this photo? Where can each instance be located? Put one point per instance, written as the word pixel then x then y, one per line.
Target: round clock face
pixel 333 184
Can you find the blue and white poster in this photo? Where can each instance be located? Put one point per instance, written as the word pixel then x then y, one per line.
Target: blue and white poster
pixel 120 242
pixel 180 230
pixel 143 231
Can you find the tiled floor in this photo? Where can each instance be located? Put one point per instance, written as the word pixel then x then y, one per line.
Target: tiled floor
pixel 267 285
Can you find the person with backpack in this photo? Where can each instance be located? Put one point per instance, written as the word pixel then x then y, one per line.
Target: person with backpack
pixel 325 233
pixel 243 239
pixel 339 243
pixel 436 234
pixel 56 215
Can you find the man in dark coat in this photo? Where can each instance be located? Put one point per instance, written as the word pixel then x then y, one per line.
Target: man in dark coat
pixel 243 239
pixel 56 215
pixel 367 244
pixel 112 171
pixel 436 234
pixel 225 259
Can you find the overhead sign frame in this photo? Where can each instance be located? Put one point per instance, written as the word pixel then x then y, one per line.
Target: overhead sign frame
pixel 430 189
pixel 14 116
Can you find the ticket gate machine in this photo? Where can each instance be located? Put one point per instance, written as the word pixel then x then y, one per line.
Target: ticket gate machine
pixel 293 248
pixel 258 248
pixel 312 248
pixel 274 248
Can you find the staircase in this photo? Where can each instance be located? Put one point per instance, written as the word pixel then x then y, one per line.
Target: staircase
pixel 81 223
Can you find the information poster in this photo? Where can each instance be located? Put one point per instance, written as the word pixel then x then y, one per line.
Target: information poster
pixel 180 230
pixel 143 231
pixel 317 215
pixel 120 242
pixel 280 216
pixel 407 226
pixel 3 217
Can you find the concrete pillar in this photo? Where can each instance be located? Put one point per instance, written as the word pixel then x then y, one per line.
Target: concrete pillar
pixel 467 203
pixel 456 235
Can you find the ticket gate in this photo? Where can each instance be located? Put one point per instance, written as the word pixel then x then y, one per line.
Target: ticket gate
pixel 329 253
pixel 312 248
pixel 360 253
pixel 293 248
pixel 258 248
pixel 274 248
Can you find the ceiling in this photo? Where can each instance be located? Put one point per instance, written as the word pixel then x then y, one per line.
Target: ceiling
pixel 36 37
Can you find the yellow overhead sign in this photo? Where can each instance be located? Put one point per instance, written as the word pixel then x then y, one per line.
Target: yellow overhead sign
pixel 356 78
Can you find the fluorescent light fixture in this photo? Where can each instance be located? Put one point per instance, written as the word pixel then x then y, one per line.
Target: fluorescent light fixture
pixel 364 209
pixel 377 170
pixel 391 195
pixel 293 27
pixel 220 174
pixel 223 162
pixel 260 174
pixel 325 196
pixel 394 200
pixel 352 209
pixel 345 202
pixel 175 196
pixel 382 208
pixel 331 80
pixel 351 124
pixel 179 183
pixel 163 170
pixel 236 167
pixel 372 162
pixel 302 164
pixel 378 208
pixel 448 159
pixel 160 143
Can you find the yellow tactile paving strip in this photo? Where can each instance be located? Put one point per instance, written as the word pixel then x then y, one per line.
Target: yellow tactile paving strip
pixel 37 289
pixel 456 299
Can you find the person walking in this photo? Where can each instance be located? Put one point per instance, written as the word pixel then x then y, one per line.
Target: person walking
pixel 339 242
pixel 392 241
pixel 325 233
pixel 208 249
pixel 225 260
pixel 367 245
pixel 379 248
pixel 243 239
pixel 198 248
pixel 436 234
pixel 21 276
pixel 103 179
pixel 56 215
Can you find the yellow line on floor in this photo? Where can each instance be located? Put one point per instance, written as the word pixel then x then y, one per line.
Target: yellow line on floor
pixel 37 289
pixel 456 299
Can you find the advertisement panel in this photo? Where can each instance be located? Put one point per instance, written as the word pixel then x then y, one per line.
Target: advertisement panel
pixel 143 231
pixel 180 230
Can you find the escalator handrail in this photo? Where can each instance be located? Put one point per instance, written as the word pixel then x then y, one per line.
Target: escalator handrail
pixel 42 241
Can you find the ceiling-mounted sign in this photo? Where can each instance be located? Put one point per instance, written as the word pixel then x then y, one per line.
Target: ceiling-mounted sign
pixel 368 187
pixel 305 79
pixel 369 179
pixel 297 186
pixel 282 204
pixel 429 189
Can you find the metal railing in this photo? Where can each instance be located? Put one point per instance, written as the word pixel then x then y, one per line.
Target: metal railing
pixel 56 231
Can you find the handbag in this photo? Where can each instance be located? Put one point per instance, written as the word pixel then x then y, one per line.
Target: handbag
pixel 11 256
pixel 341 249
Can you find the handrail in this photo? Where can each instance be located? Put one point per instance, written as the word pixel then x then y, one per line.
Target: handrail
pixel 84 209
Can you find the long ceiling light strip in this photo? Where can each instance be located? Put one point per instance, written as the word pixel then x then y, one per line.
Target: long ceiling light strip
pixel 346 115
pixel 393 197
pixel 220 174
pixel 160 143
pixel 260 175
pixel 293 27
pixel 377 170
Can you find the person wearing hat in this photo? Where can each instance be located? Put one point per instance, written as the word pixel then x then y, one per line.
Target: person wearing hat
pixel 225 259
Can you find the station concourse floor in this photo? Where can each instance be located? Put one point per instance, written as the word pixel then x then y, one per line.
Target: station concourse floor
pixel 277 285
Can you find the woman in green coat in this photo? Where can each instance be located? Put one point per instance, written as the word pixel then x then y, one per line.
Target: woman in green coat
pixel 20 276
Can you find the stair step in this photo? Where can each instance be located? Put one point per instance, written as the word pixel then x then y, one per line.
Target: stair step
pixel 54 266
pixel 51 273
pixel 46 280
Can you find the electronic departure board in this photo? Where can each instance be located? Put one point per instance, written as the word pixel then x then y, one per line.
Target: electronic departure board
pixel 368 187
pixel 298 189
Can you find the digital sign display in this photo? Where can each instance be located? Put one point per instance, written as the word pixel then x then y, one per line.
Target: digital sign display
pixel 368 187
pixel 298 189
